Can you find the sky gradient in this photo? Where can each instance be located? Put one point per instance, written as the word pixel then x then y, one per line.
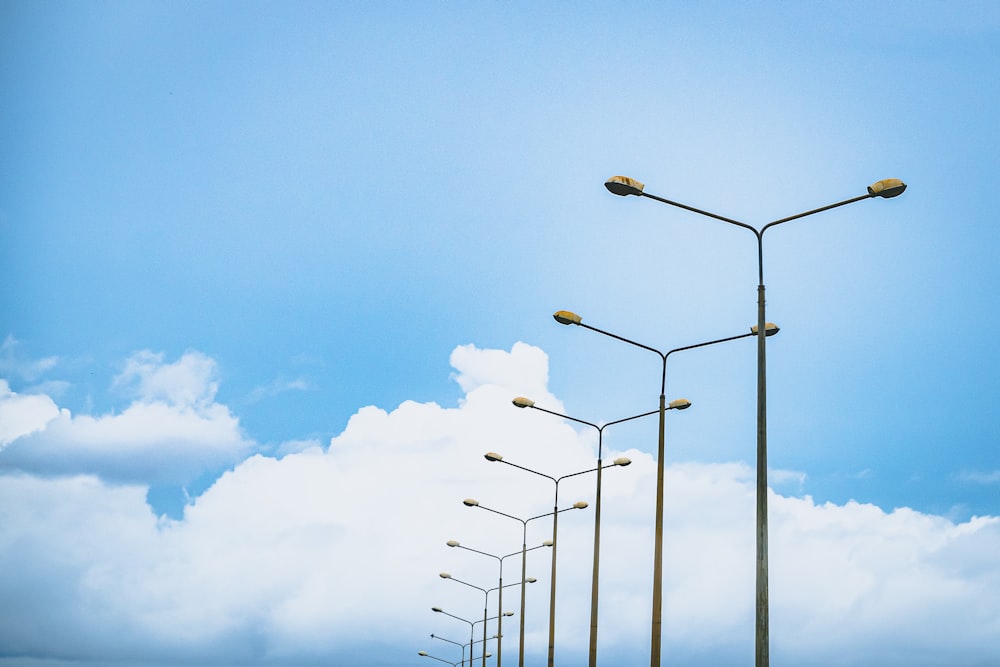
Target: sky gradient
pixel 274 271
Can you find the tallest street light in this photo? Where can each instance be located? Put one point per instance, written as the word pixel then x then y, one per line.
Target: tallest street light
pixel 888 188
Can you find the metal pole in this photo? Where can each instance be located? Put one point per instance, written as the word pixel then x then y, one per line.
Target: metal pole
pixel 592 660
pixel 524 569
pixel 654 647
pixel 762 634
pixel 500 615
pixel 552 588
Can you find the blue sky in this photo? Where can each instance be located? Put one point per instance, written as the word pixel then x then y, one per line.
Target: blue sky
pixel 277 269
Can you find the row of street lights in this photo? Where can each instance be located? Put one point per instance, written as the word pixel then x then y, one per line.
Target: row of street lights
pixel 625 186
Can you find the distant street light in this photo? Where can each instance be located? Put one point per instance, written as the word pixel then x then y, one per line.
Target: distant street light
pixel 500 586
pixel 486 598
pixel 523 402
pixel 472 628
pixel 886 189
pixel 472 502
pixel 425 654
pixel 497 458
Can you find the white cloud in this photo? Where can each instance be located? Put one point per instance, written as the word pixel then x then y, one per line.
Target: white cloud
pixel 172 432
pixel 12 363
pixel 325 550
pixel 979 477
pixel 189 382
pixel 21 415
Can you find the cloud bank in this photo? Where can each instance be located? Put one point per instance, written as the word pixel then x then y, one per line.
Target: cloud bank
pixel 332 552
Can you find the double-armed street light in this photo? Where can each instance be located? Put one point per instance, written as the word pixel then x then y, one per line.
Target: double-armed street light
pixel 472 630
pixel 566 317
pixel 486 598
pixel 472 502
pixel 885 189
pixel 497 458
pixel 425 654
pixel 450 641
pixel 500 586
pixel 523 402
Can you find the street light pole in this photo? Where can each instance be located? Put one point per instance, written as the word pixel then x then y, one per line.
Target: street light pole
pixel 500 586
pixel 486 601
pixel 472 502
pixel 462 646
pixel 472 628
pixel 523 402
pixel 887 188
pixel 566 317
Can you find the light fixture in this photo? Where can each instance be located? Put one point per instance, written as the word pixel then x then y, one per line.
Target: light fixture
pixel 623 185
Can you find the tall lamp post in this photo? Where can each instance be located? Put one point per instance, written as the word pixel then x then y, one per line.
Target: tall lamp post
pixel 472 630
pixel 461 646
pixel 472 502
pixel 425 654
pixel 500 586
pixel 886 189
pixel 522 402
pixel 567 317
pixel 486 600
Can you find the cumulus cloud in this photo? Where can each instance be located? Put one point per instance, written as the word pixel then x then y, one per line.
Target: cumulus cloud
pixel 21 415
pixel 327 549
pixel 171 432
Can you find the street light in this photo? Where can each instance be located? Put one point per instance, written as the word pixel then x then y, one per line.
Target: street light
pixel 461 646
pixel 472 502
pixel 486 596
pixel 425 654
pixel 886 189
pixel 500 587
pixel 566 317
pixel 522 402
pixel 472 628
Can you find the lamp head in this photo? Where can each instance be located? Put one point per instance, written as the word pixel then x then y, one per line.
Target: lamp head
pixel 622 461
pixel 508 613
pixel 423 653
pixel 470 502
pixel 887 188
pixel 445 575
pixel 567 317
pixel 523 402
pixel 679 404
pixel 580 505
pixel 437 609
pixel 770 328
pixel 453 543
pixel 493 456
pixel 623 186
pixel 547 543
pixel 531 580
